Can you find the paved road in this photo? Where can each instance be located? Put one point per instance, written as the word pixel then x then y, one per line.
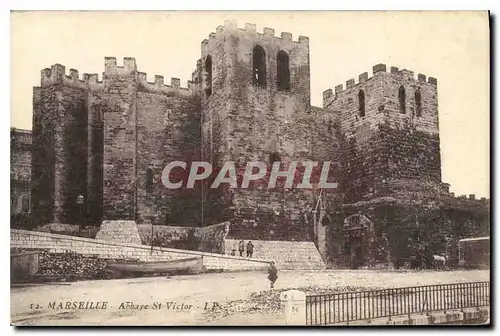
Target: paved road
pixel 192 295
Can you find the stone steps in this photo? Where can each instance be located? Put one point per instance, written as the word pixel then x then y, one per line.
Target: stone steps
pixel 286 254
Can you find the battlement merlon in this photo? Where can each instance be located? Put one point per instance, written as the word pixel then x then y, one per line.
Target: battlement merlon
pixel 377 70
pixel 129 66
pixel 196 74
pixel 327 95
pixel 231 27
pixel 92 79
pixel 159 87
pixel 56 74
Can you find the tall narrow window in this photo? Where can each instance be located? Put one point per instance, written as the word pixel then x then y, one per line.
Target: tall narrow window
pixel 361 102
pixel 25 203
pixel 259 66
pixel 208 75
pixel 149 181
pixel 283 71
pixel 402 99
pixel 418 103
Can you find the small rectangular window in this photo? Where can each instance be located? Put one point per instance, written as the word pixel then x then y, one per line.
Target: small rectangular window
pixel 25 203
pixel 149 181
pixel 361 101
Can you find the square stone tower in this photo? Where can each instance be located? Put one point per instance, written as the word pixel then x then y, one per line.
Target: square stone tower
pixel 390 130
pixel 256 107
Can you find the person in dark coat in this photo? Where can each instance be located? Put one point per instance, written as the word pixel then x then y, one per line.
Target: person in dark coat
pixel 273 274
pixel 241 247
pixel 249 249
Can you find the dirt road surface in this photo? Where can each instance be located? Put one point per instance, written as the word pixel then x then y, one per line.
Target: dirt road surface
pixel 187 300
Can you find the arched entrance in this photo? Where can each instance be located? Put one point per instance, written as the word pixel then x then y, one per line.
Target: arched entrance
pixel 358 241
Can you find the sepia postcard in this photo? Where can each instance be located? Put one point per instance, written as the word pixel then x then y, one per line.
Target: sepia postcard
pixel 295 168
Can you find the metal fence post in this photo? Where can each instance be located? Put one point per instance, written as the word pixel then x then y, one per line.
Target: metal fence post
pixel 293 303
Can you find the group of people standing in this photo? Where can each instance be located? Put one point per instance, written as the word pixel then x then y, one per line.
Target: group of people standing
pixel 241 249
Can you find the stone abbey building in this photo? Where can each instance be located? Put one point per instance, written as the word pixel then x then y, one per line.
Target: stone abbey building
pixel 248 99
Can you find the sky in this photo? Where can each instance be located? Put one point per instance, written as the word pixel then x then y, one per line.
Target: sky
pixel 450 46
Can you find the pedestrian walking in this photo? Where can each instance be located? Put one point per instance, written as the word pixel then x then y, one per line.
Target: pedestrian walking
pixel 272 274
pixel 241 247
pixel 249 249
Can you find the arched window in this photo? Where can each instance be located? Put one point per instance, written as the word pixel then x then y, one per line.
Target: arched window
pixel 25 203
pixel 259 66
pixel 149 181
pixel 361 102
pixel 418 102
pixel 283 71
pixel 208 75
pixel 402 99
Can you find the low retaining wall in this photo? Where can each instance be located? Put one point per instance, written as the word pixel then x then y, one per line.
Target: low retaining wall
pixel 56 243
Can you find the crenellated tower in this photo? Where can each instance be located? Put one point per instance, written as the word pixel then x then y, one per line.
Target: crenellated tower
pixel 257 83
pixel 120 137
pixel 256 107
pixel 60 148
pixel 390 128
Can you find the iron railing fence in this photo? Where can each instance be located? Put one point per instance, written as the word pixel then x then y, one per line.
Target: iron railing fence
pixel 326 309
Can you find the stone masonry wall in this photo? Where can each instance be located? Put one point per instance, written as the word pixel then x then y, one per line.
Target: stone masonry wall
pixel 43 155
pixel 73 165
pixel 109 250
pixel 96 110
pixel 20 167
pixel 168 130
pixel 20 176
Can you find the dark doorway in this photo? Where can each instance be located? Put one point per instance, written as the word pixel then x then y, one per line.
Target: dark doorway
pixel 354 252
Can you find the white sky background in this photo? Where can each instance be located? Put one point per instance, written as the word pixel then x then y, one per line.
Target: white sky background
pixel 450 46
